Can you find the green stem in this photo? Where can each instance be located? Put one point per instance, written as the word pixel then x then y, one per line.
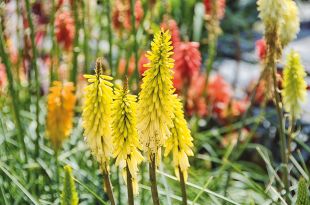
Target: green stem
pixel 19 57
pixel 142 170
pixel 212 38
pixel 283 144
pixel 135 44
pixel 13 93
pixel 227 185
pixel 74 69
pixel 118 186
pixel 108 185
pixel 86 30
pixel 271 64
pixel 52 75
pixel 183 187
pixel 36 72
pixel 57 172
pixel 211 55
pixel 291 135
pixel 108 13
pixel 152 172
pixel 129 187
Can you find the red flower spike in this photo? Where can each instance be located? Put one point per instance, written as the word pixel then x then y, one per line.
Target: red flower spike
pixel 235 109
pixel 143 60
pixel 221 4
pixel 3 79
pixel 187 63
pixel 172 26
pixel 122 66
pixel 121 15
pixel 219 93
pixel 64 29
pixel 196 103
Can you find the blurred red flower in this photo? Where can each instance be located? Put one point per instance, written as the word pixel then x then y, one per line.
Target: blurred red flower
pixel 219 93
pixel 261 49
pixel 122 66
pixel 172 26
pixel 143 60
pixel 64 29
pixel 196 102
pixel 221 4
pixel 39 37
pixel 234 109
pixel 3 79
pixel 216 97
pixel 187 63
pixel 121 17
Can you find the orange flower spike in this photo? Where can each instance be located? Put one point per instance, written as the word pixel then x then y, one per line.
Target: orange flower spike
pixel 60 102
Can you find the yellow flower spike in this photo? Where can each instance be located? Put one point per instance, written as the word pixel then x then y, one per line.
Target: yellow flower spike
pixel 180 141
pixel 271 12
pixel 60 105
pixel 289 30
pixel 155 98
pixel 280 14
pixel 97 115
pixel 294 85
pixel 125 135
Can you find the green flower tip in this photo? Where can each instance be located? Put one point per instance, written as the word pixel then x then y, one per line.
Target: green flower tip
pixel 69 195
pixel 302 193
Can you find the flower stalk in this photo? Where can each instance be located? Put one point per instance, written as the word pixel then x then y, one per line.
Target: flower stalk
pixel 183 187
pixel 74 69
pixel 57 172
pixel 13 93
pixel 36 73
pixel 108 184
pixel 108 14
pixel 134 34
pixel 129 186
pixel 152 173
pixel 271 64
pixel 214 30
pixel 53 52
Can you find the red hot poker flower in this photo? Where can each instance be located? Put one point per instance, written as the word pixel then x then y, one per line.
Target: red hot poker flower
pixel 121 15
pixel 142 61
pixel 64 29
pixel 2 76
pixel 172 26
pixel 187 62
pixel 221 4
pixel 219 93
